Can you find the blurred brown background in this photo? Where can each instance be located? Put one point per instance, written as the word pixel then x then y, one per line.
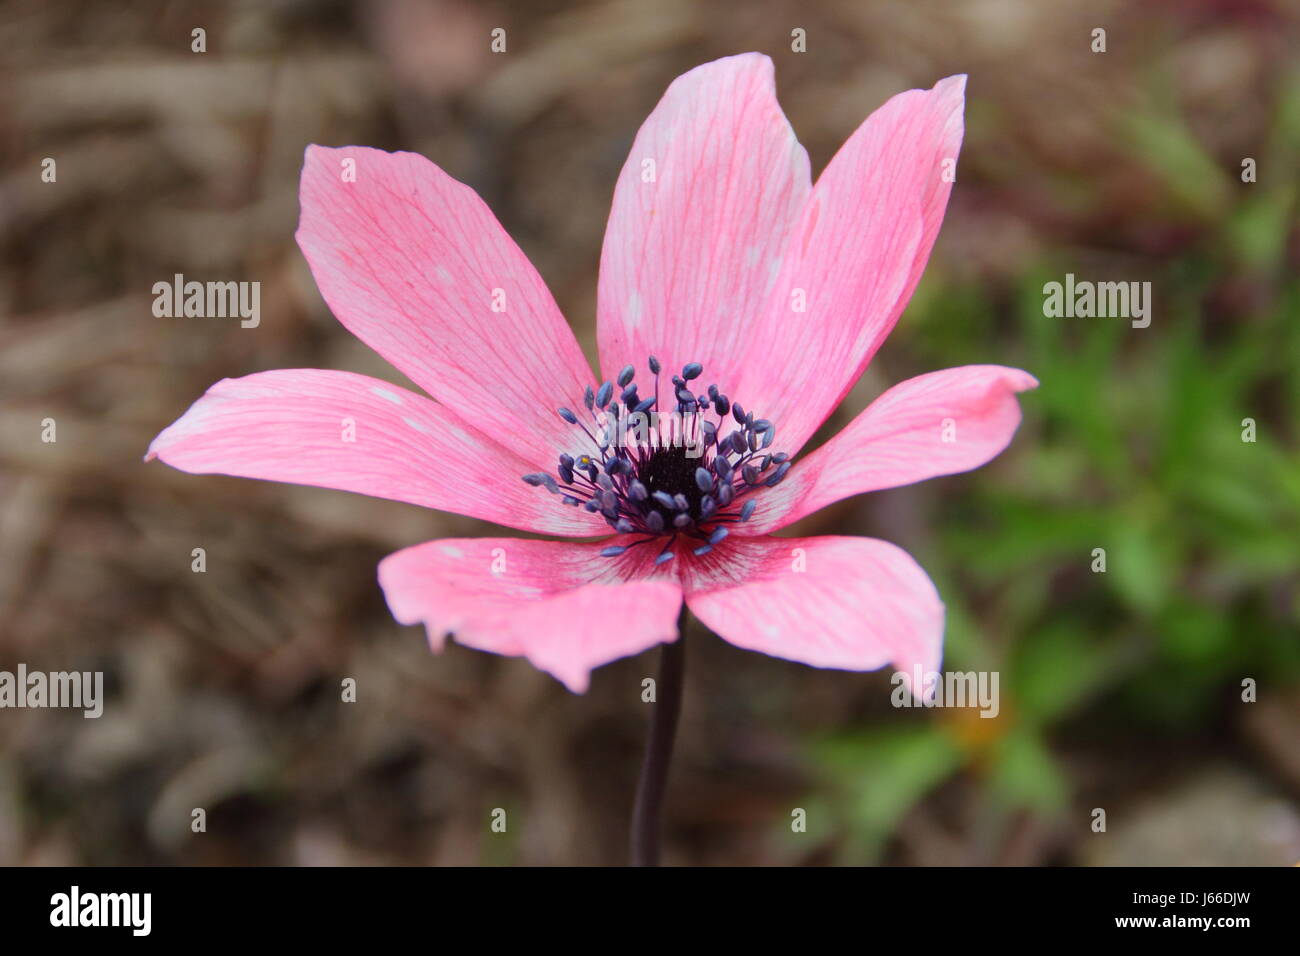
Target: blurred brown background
pixel 1120 691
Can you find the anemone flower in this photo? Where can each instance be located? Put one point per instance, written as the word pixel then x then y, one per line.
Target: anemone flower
pixel 722 264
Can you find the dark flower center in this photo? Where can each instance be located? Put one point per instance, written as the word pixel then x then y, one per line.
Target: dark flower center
pixel 687 471
pixel 670 470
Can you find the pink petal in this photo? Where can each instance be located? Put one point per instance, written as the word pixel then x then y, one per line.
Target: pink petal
pixel 689 257
pixel 410 260
pixel 291 425
pixel 857 604
pixel 940 423
pixel 858 252
pixel 561 605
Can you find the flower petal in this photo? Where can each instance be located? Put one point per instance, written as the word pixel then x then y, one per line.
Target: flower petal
pixel 857 255
pixel 702 213
pixel 940 423
pixel 417 267
pixel 561 605
pixel 294 425
pixel 849 603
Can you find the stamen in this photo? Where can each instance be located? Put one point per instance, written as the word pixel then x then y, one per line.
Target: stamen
pixel 663 473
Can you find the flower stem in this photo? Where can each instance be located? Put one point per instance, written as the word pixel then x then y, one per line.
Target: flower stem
pixel 659 750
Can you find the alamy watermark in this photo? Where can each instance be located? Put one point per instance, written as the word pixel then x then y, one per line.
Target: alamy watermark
pixel 948 689
pixel 622 429
pixel 75 908
pixel 80 690
pixel 1104 300
pixel 209 300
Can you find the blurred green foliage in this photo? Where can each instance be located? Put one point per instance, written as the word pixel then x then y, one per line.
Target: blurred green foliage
pixel 1133 444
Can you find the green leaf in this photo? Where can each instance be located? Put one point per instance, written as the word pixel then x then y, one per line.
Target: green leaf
pixel 1138 564
pixel 1053 670
pixel 1025 774
pixel 1168 148
pixel 883 774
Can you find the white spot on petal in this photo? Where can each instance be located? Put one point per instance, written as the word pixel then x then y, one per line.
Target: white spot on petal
pixel 416 425
pixel 451 551
pixel 773 270
pixel 385 393
pixel 632 314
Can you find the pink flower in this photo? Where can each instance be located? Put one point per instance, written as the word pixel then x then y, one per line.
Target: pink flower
pixel 720 254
